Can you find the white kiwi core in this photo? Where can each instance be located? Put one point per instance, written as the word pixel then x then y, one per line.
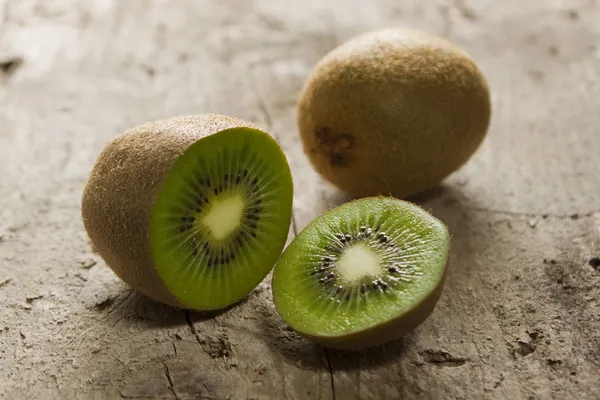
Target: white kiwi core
pixel 357 262
pixel 224 216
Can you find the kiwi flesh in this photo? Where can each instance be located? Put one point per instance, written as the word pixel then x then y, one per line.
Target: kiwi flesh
pixel 191 211
pixel 363 273
pixel 393 112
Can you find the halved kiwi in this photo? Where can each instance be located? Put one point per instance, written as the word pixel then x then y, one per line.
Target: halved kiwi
pixel 363 273
pixel 191 211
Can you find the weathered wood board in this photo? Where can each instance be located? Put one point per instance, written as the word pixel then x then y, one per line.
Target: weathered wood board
pixel 520 315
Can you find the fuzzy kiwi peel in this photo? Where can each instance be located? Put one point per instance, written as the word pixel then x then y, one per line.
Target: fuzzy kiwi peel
pixel 393 112
pixel 363 273
pixel 191 211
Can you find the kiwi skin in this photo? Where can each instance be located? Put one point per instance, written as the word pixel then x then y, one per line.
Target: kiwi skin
pixel 123 185
pixel 393 112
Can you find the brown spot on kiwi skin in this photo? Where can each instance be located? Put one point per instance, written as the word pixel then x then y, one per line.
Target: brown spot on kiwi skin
pixel 335 145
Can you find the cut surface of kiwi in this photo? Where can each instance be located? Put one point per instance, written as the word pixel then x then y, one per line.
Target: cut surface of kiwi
pixel 218 222
pixel 192 211
pixel 363 273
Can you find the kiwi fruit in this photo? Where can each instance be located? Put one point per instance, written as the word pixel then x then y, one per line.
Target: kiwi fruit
pixel 393 112
pixel 191 211
pixel 363 273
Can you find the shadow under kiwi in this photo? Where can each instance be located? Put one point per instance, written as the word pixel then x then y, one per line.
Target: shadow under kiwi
pixel 299 350
pixel 447 202
pixel 136 306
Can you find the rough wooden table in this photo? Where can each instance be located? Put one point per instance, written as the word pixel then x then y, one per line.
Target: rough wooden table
pixel 520 315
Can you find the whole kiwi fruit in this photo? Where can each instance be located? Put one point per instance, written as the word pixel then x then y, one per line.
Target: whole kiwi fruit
pixel 393 112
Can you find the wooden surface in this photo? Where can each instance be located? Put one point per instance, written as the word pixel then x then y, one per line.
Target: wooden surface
pixel 520 315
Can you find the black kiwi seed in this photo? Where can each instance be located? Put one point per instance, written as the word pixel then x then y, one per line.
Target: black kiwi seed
pixel 195 252
pixel 238 178
pixel 339 236
pixel 393 269
pixel 331 275
pixel 246 172
pixel 253 234
pixel 348 297
pixel 326 259
pixel 383 285
pixel 339 289
pixel 377 228
pixel 191 219
pixel 363 228
pixel 363 289
pixel 314 272
pixel 255 181
pixel 381 235
pixel 375 284
pixel 216 190
pixel 257 202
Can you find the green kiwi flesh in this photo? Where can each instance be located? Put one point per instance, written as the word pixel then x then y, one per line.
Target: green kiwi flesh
pixel 363 273
pixel 190 211
pixel 222 217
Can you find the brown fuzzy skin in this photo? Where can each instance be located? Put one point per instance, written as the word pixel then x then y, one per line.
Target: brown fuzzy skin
pixel 393 112
pixel 123 185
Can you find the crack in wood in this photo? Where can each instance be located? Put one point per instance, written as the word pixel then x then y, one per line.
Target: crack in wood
pixel 168 375
pixel 188 318
pixel 8 67
pixel 261 102
pixel 330 374
pixel 442 358
pixel 264 109
pixel 465 10
pixel 572 216
pixel 294 224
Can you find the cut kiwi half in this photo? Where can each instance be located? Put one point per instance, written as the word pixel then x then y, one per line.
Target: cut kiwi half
pixel 362 274
pixel 192 211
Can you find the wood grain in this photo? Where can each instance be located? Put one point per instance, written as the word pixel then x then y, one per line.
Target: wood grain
pixel 520 314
